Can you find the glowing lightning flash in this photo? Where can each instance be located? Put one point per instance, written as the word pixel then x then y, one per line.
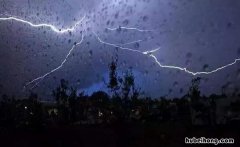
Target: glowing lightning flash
pixel 55 29
pixel 54 70
pixel 150 53
pixel 52 27
pixel 194 73
pixel 114 45
pixel 127 28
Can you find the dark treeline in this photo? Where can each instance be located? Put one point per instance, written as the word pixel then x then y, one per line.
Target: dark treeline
pixel 124 104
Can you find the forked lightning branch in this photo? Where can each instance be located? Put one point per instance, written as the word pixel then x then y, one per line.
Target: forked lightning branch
pixel 148 52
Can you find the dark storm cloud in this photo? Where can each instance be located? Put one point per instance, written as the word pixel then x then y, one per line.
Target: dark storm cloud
pixel 199 35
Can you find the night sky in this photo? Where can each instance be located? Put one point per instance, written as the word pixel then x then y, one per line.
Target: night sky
pixel 200 35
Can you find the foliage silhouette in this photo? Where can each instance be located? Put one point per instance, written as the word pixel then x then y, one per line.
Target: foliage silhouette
pixel 126 104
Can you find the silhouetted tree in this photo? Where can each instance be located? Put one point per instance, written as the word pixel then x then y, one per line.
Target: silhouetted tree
pixel 183 108
pixel 62 99
pixel 194 91
pixel 8 112
pixel 212 108
pixel 128 85
pixel 100 105
pixel 113 78
pixel 164 110
pixel 199 109
pixel 35 112
pixel 73 105
pixel 129 93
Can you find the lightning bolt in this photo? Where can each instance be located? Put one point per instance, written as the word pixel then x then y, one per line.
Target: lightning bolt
pixel 55 29
pixel 52 27
pixel 38 79
pixel 151 51
pixel 128 43
pixel 191 72
pixel 114 45
pixel 128 28
pixel 132 42
pixel 150 54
